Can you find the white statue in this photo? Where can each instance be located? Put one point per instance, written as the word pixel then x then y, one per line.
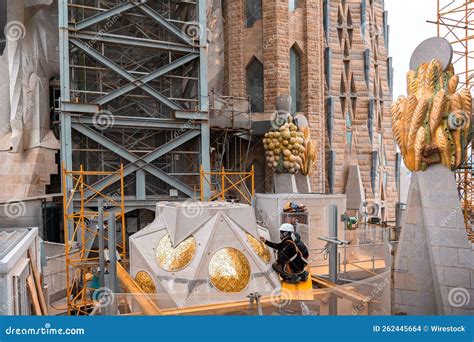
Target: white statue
pixel 28 63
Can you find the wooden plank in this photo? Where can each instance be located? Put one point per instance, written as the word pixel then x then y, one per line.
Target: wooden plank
pixel 148 306
pixel 300 291
pixel 33 296
pixel 340 291
pixel 226 307
pixel 39 288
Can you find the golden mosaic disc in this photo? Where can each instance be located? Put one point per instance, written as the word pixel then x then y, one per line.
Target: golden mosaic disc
pixel 175 259
pixel 260 248
pixel 229 270
pixel 145 281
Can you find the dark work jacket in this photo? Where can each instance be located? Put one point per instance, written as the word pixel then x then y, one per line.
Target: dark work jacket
pixel 287 250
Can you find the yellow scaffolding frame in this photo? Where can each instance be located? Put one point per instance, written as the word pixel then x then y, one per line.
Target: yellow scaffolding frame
pixel 227 183
pixel 82 262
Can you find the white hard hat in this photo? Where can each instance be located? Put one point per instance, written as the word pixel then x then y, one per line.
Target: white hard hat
pixel 287 227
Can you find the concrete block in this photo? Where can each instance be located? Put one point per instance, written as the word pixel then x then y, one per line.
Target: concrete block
pixel 466 258
pixel 457 277
pixel 303 184
pixel 448 257
pixel 284 183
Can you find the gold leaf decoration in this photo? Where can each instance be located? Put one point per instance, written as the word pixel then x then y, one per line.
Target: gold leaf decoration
pixel 259 248
pixel 145 281
pixel 173 259
pixel 229 270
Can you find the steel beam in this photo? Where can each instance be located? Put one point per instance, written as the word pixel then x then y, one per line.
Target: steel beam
pixel 135 41
pixel 119 70
pixel 150 157
pixel 167 25
pixel 141 122
pixel 95 19
pixel 65 119
pixel 132 158
pixel 145 79
pixel 204 97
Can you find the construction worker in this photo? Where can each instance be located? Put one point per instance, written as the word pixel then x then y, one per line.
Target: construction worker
pixel 292 255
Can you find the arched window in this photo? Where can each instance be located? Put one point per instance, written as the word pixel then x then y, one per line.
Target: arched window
pixel 292 5
pixel 255 85
pixel 253 12
pixel 295 79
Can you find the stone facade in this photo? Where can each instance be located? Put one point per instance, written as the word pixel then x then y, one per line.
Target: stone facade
pixel 358 99
pixel 434 263
pixel 270 40
pixel 345 73
pixel 26 174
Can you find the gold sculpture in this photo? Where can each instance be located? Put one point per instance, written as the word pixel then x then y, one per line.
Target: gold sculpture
pixel 145 281
pixel 173 259
pixel 433 123
pixel 229 270
pixel 288 148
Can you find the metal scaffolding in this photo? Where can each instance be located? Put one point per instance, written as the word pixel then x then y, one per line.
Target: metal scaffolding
pixel 455 22
pixel 82 251
pixel 134 91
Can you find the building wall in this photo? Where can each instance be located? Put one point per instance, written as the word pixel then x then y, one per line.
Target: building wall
pixel 270 40
pixel 344 59
pixel 358 98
